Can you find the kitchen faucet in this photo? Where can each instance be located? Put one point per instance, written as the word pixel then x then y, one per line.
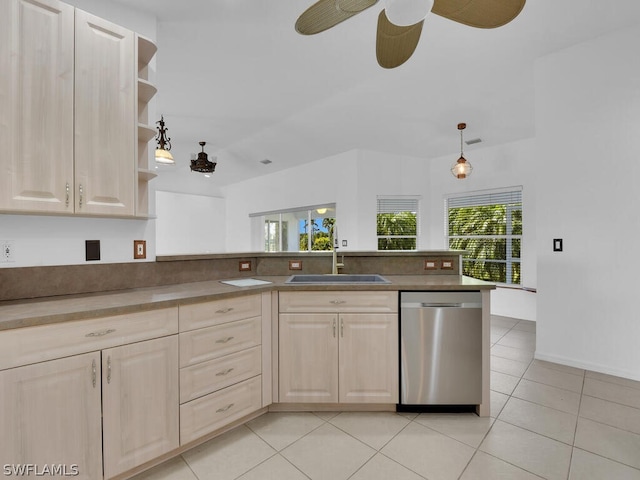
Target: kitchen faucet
pixel 334 264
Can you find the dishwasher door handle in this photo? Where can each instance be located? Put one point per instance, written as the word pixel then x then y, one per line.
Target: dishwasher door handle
pixel 440 305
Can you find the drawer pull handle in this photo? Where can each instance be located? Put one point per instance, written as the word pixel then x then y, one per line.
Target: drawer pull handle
pixel 224 409
pixel 93 373
pixel 101 333
pixel 224 310
pixel 225 340
pixel 66 201
pixel 224 372
pixel 338 302
pixel 109 369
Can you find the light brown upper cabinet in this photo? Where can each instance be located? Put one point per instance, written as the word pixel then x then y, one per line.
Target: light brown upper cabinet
pixel 69 115
pixel 36 106
pixel 105 127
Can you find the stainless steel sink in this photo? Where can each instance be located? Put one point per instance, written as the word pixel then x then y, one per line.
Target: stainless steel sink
pixel 339 278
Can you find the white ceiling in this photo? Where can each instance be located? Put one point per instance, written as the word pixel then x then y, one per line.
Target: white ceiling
pixel 234 73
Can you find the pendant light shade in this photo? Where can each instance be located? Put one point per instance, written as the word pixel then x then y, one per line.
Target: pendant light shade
pixel 164 144
pixel 202 164
pixel 462 168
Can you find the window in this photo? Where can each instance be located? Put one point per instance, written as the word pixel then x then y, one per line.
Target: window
pixel 298 229
pixel 397 222
pixel 488 225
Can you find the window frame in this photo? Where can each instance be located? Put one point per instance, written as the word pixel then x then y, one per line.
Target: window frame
pixel 510 197
pixel 281 233
pixel 398 204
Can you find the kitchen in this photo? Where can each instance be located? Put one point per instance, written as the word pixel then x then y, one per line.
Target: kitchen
pixel 566 177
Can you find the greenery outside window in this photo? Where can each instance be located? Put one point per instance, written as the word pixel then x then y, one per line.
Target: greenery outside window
pixel 298 229
pixel 488 225
pixel 397 222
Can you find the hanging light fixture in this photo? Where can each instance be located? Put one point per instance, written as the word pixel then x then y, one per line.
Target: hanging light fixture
pixel 164 144
pixel 462 168
pixel 202 164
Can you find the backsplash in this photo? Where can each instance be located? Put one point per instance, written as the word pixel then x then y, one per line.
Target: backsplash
pixel 36 282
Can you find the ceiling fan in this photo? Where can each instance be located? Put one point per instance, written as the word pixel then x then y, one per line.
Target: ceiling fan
pixel 400 22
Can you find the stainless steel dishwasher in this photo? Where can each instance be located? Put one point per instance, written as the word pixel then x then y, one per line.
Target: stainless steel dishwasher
pixel 440 350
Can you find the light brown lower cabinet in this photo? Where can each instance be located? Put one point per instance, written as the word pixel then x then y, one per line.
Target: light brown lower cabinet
pixel 50 413
pixel 139 402
pixel 56 412
pixel 338 358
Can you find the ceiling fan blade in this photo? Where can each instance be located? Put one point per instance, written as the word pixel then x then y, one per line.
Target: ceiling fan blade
pixel 325 14
pixel 394 44
pixel 479 13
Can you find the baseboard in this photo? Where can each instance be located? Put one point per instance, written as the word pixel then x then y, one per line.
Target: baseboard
pixel 594 367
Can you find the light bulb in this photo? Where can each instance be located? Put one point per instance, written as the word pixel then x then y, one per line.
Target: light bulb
pixel 407 12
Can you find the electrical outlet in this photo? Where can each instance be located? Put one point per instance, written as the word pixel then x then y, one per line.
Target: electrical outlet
pixel 8 251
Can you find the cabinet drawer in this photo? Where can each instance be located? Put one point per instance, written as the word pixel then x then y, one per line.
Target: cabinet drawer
pixel 207 414
pixel 213 342
pixel 202 315
pixel 22 346
pixel 203 378
pixel 337 301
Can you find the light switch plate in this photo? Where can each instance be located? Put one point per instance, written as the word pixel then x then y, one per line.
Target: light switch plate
pixel 139 249
pixel 244 265
pixel 447 264
pixel 295 264
pixel 92 250
pixel 557 244
pixel 430 265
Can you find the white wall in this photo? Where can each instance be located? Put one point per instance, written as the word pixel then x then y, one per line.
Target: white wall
pixel 507 165
pixel 189 224
pixel 354 179
pixel 52 240
pixel 330 180
pixel 588 125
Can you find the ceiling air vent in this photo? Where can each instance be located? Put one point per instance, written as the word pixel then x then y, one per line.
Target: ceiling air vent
pixel 266 161
pixel 473 140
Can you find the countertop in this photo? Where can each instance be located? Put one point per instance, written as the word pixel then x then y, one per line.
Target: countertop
pixel 17 314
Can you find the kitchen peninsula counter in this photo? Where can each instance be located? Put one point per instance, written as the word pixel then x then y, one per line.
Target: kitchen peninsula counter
pixel 48 310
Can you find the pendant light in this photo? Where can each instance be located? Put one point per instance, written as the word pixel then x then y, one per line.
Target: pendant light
pixel 164 144
pixel 202 164
pixel 462 168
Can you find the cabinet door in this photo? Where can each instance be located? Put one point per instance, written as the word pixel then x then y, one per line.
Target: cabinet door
pixel 105 125
pixel 140 403
pixel 368 358
pixel 308 352
pixel 36 105
pixel 50 414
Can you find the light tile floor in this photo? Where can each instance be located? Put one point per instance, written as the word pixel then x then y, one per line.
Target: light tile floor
pixel 547 421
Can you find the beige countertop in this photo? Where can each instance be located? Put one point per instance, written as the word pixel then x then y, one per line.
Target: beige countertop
pixel 16 314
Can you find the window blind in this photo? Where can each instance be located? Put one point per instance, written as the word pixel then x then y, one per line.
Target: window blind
pixel 486 198
pixel 398 204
